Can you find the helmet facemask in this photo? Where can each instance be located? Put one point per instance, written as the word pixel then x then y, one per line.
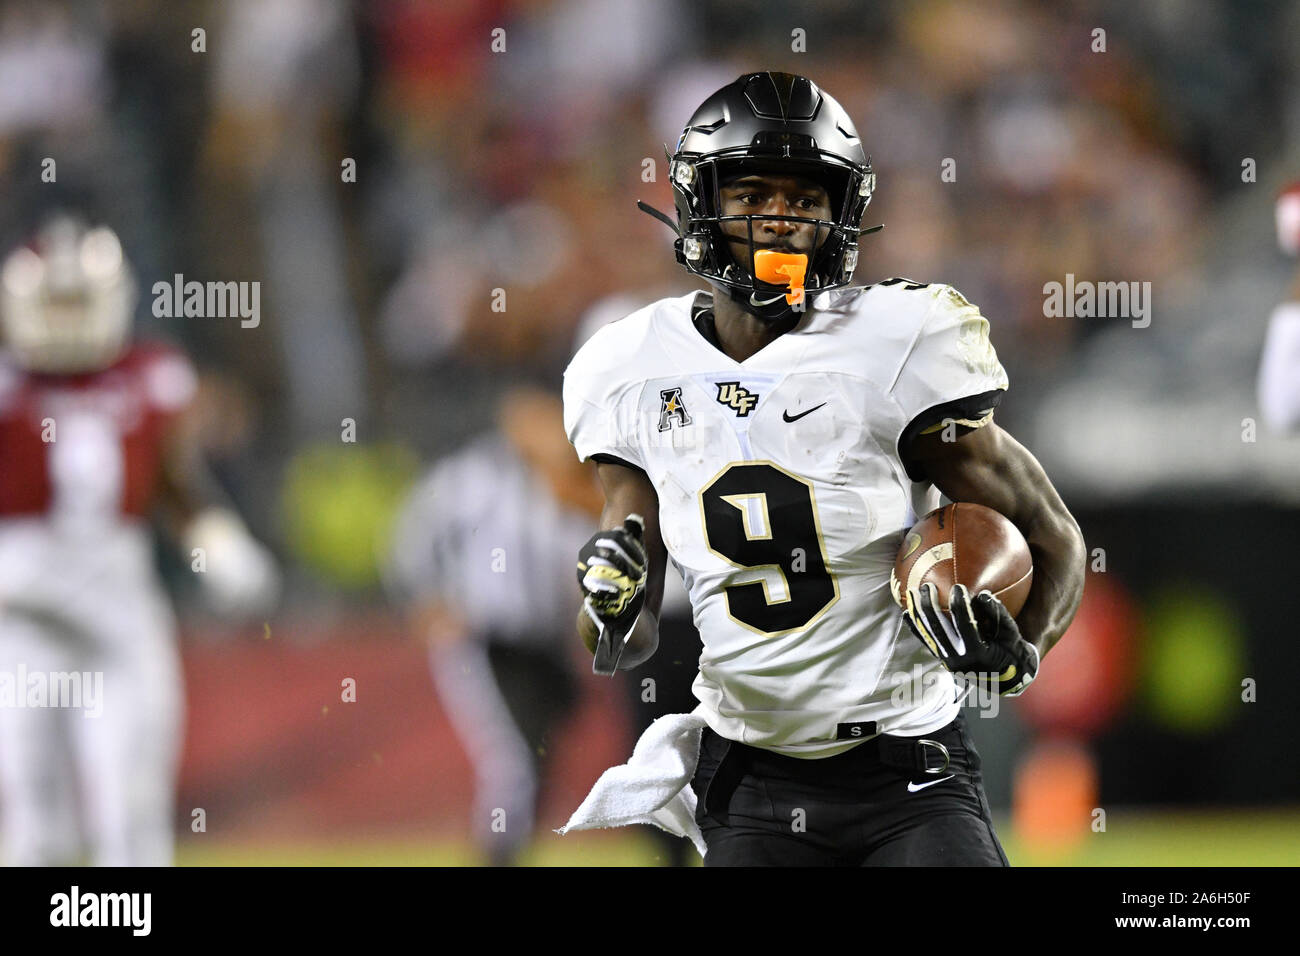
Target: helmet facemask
pixel 768 123
pixel 712 253
pixel 66 303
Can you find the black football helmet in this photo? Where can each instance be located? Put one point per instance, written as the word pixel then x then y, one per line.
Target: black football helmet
pixel 768 123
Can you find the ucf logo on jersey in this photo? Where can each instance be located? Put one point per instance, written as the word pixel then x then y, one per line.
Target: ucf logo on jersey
pixel 736 397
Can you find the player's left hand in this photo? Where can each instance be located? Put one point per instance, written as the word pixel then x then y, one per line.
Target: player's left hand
pixel 977 636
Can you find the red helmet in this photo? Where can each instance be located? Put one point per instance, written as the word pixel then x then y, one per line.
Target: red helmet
pixel 67 298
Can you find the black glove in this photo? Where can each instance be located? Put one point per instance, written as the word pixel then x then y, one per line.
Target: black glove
pixel 612 575
pixel 977 636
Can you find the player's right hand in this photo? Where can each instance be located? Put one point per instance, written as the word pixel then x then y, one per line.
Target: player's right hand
pixel 612 570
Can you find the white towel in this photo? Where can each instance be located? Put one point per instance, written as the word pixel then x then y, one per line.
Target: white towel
pixel 654 786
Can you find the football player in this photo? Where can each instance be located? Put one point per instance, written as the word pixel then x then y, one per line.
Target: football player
pixel 775 438
pixel 94 437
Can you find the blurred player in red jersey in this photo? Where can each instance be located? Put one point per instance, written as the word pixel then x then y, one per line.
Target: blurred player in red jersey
pixel 1279 371
pixel 93 439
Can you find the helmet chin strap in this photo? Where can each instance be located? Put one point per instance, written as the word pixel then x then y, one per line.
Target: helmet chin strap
pixel 778 281
pixel 778 285
pixel 767 303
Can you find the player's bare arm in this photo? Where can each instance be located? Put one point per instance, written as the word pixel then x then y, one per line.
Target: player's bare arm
pixel 629 492
pixel 186 486
pixel 989 467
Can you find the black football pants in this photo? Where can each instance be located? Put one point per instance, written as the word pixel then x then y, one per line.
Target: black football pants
pixel 853 809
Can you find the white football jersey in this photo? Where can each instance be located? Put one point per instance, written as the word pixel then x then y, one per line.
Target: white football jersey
pixel 783 499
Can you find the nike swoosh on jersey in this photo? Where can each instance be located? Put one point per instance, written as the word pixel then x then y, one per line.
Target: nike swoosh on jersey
pixel 794 418
pixel 913 787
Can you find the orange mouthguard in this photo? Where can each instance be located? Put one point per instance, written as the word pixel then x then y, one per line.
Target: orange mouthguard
pixel 782 268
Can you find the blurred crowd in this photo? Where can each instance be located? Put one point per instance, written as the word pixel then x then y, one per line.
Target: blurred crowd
pixel 437 196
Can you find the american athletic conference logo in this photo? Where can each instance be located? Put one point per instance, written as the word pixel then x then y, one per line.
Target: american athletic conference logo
pixel 736 397
pixel 672 409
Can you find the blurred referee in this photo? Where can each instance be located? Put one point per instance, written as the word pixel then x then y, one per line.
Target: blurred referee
pixel 482 555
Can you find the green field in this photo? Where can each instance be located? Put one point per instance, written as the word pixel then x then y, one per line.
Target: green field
pixel 1221 838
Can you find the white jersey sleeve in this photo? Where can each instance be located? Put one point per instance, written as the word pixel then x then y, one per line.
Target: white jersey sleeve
pixel 951 371
pixel 597 417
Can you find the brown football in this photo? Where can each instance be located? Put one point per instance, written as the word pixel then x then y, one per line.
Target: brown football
pixel 964 543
